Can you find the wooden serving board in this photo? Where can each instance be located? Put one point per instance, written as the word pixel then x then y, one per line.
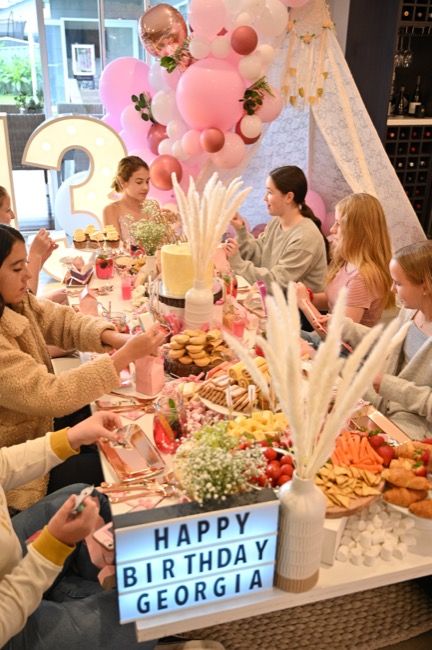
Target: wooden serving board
pixel 357 504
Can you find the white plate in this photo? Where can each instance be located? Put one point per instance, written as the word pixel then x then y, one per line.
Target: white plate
pixel 55 264
pixel 420 522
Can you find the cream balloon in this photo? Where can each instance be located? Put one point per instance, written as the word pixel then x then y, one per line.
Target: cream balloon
pixel 6 180
pixel 251 67
pixel 251 126
pixel 191 142
pixel 199 48
pixel 220 46
pixel 266 52
pixel 177 151
pixel 273 19
pixel 176 129
pixel 51 140
pixel 243 19
pixel 165 147
pixel 164 106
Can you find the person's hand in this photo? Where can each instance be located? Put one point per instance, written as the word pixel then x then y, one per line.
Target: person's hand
pixel 69 528
pixel 377 383
pixel 302 292
pixel 237 222
pixel 231 247
pixel 306 350
pixel 42 245
pixel 100 425
pixel 137 346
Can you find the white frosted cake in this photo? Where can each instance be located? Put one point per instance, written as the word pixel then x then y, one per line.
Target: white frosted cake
pixel 177 270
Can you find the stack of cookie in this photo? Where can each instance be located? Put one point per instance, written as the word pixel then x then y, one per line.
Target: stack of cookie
pixel 195 351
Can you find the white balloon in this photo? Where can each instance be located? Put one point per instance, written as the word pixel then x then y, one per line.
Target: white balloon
pixel 165 147
pixel 176 129
pixel 266 52
pixel 243 19
pixel 221 47
pixel 251 67
pixel 177 151
pixel 252 6
pixel 273 19
pixel 156 80
pixel 164 107
pixel 199 48
pixel 251 126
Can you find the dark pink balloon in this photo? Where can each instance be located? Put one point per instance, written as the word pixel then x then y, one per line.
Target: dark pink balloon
pixel 212 140
pixel 161 169
pixel 156 134
pixel 244 40
pixel 243 137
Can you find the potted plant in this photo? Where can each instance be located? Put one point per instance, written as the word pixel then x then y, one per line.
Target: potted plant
pixel 149 236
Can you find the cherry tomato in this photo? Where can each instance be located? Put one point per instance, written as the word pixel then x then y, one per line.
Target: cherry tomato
pixel 286 459
pixel 425 457
pixel 273 469
pixel 286 470
pixel 376 441
pixel 270 453
pixel 283 478
pixel 420 471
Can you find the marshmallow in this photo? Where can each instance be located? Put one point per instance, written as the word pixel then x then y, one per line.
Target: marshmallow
pixel 386 552
pixel 342 553
pixel 408 540
pixel 400 551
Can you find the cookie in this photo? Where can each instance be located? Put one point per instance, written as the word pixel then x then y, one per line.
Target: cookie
pixel 194 348
pixel 176 354
pixel 212 335
pixel 186 361
pixel 198 340
pixel 182 339
pixel 197 355
pixel 174 345
pixel 190 333
pixel 203 362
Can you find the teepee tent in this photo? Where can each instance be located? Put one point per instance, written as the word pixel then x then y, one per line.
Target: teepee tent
pixel 324 128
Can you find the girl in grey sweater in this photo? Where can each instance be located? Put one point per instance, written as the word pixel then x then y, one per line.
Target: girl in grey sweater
pixel 291 248
pixel 404 391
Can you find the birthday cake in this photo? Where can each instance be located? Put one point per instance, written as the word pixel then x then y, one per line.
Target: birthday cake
pixel 177 270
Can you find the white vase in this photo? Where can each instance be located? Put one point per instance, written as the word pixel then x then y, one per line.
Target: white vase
pixel 150 266
pixel 301 532
pixel 198 305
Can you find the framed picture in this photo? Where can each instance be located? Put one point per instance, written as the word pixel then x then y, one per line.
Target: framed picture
pixel 83 60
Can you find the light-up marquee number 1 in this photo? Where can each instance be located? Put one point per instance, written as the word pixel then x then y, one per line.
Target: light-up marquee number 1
pixel 51 140
pixel 6 166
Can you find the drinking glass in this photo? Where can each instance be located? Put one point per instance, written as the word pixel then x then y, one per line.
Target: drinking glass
pixel 168 423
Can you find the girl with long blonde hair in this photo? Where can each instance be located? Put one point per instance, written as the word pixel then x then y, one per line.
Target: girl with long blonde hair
pixel 361 253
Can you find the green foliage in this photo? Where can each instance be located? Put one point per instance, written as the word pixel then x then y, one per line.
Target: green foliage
pixel 149 234
pixel 15 76
pixel 143 105
pixel 254 95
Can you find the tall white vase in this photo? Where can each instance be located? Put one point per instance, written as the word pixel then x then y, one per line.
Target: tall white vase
pixel 301 532
pixel 198 305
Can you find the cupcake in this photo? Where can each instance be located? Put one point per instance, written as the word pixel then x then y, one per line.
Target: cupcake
pixel 79 238
pixel 112 237
pixel 89 230
pixel 97 239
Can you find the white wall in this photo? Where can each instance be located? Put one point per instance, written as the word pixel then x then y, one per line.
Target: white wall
pixel 339 10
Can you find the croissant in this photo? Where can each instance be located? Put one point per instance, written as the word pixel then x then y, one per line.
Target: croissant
pixel 422 508
pixel 402 477
pixel 400 496
pixel 411 449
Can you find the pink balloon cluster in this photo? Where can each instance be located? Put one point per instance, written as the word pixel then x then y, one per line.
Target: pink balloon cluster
pixel 198 108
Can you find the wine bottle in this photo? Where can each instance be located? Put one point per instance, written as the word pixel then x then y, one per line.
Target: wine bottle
pixel 392 98
pixel 402 102
pixel 415 102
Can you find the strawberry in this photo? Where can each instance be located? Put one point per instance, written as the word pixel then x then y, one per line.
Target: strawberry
pixel 425 457
pixel 420 470
pixel 387 454
pixel 375 440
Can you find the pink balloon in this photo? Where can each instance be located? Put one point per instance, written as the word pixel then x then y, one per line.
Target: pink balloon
pixel 171 79
pixel 113 120
pixel 144 153
pixel 191 143
pixel 231 153
pixel 163 196
pixel 243 137
pixel 316 204
pixel 161 169
pixel 121 79
pixel 156 134
pixel 327 223
pixel 135 129
pixel 208 95
pixel 271 107
pixel 207 17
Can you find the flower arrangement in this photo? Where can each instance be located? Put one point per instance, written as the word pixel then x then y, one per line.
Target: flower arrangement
pixel 149 235
pixel 318 408
pixel 210 465
pixel 254 95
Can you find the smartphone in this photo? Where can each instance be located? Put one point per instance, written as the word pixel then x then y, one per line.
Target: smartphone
pixel 104 536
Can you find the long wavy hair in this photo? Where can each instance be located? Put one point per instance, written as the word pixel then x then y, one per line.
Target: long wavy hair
pixel 8 237
pixel 291 178
pixel 126 167
pixel 364 241
pixel 415 261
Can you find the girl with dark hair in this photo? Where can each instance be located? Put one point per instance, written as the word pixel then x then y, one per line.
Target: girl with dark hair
pixel 292 247
pixel 31 395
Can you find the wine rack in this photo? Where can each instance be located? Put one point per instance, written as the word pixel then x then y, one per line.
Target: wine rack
pixel 416 11
pixel 409 147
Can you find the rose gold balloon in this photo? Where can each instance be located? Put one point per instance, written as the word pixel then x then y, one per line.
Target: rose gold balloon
pixel 156 134
pixel 161 169
pixel 244 40
pixel 161 30
pixel 212 140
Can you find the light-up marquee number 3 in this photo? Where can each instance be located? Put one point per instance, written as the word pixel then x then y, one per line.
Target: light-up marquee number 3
pixel 51 140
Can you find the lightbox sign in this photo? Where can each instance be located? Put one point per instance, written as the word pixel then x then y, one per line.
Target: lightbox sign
pixel 185 556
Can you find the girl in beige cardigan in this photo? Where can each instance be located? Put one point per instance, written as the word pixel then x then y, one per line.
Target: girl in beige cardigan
pixel 31 395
